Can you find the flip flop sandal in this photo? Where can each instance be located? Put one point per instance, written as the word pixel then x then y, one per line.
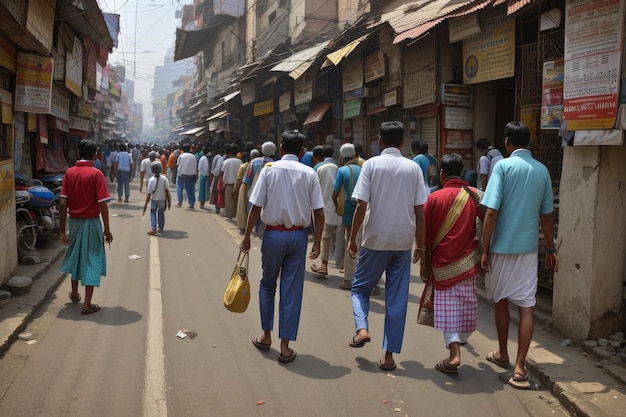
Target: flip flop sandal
pixel 319 270
pixel 287 359
pixel 74 299
pixel 259 345
pixel 386 366
pixel 92 309
pixel 491 357
pixel 520 382
pixel 358 343
pixel 446 369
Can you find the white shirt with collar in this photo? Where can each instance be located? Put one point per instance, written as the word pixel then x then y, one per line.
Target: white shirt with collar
pixel 230 167
pixel 392 185
pixel 327 173
pixel 187 164
pixel 287 190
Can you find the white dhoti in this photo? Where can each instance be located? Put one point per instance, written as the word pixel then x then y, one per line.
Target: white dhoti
pixel 513 277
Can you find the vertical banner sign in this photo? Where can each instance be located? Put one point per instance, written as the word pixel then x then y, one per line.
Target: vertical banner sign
pixel 33 89
pixel 552 95
pixel 593 50
pixel 490 55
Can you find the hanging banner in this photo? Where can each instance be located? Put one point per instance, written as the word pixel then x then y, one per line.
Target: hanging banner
pixel 74 68
pixel 490 55
pixel 33 87
pixel 552 95
pixel 7 55
pixel 593 53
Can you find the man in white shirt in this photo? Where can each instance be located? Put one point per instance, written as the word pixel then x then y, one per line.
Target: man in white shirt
pixel 230 167
pixel 390 205
pixel 186 176
pixel 283 197
pixel 145 167
pixel 326 172
pixel 216 173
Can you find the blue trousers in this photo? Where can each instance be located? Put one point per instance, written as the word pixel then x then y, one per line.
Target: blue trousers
pixel 369 268
pixel 188 183
pixel 123 184
pixel 157 214
pixel 285 253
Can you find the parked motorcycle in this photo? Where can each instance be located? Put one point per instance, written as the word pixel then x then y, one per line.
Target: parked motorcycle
pixel 37 214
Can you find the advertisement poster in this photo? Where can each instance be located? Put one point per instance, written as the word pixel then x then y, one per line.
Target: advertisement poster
pixel 529 115
pixel 490 55
pixel 552 95
pixel 593 49
pixel 33 89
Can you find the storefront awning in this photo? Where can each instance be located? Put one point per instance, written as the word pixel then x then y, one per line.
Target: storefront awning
pixel 410 21
pixel 352 109
pixel 334 58
pixel 317 113
pixel 231 96
pixel 192 131
pixel 219 115
pixel 298 63
pixel 190 42
pixel 514 5
pixel 86 17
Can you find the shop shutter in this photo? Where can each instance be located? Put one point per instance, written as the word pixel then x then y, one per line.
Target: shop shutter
pixel 428 133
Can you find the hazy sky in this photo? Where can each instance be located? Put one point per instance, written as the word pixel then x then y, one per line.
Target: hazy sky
pixel 147 30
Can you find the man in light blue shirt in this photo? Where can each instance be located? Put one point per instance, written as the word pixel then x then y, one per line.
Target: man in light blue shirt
pixel 518 197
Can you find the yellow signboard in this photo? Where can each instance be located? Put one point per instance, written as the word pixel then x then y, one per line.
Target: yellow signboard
pixel 490 55
pixel 264 107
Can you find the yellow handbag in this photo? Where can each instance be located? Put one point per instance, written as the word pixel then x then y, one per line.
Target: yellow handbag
pixel 237 294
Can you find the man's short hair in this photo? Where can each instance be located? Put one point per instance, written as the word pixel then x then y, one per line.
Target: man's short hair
pixel 423 147
pixel 87 148
pixel 254 153
pixel 518 134
pixel 347 150
pixel 122 147
pixel 268 148
pixel 452 164
pixel 234 148
pixel 152 155
pixel 415 145
pixel 392 133
pixel 358 149
pixel 318 151
pixel 482 144
pixel 293 141
pixel 227 148
pixel 186 147
pixel 329 151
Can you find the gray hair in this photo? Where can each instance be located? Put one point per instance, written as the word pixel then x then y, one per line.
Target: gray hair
pixel 347 150
pixel 268 148
pixel 254 153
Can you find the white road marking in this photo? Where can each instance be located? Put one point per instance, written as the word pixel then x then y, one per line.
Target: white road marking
pixel 154 398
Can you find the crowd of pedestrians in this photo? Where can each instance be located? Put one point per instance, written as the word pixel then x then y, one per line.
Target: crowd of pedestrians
pixel 372 217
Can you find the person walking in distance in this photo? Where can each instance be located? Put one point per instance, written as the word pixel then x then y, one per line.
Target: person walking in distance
pixel 452 261
pixel 84 194
pixel 145 167
pixel 486 162
pixel 123 165
pixel 345 180
pixel 284 195
pixel 518 197
pixel 230 168
pixel 186 172
pixel 158 195
pixel 390 198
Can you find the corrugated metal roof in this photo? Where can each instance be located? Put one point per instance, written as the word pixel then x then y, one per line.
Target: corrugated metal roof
pixel 410 15
pixel 428 23
pixel 516 5
pixel 190 42
pixel 298 63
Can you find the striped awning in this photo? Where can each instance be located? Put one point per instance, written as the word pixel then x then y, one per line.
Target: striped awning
pixel 298 63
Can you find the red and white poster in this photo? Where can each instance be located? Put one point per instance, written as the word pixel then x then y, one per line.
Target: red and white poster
pixel 593 49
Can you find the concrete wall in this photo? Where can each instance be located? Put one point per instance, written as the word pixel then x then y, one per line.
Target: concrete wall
pixel 8 242
pixel 592 227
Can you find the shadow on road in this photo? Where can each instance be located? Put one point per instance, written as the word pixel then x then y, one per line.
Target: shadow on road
pixel 112 316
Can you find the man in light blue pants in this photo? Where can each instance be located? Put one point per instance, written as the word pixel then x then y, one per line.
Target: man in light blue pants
pixel 390 196
pixel 283 197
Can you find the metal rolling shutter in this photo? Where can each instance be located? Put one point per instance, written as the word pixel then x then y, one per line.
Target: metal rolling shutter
pixel 428 133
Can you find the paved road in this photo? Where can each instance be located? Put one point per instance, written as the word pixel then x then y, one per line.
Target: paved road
pixel 127 361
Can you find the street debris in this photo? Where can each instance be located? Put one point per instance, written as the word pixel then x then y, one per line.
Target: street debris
pixel 187 333
pixel 31 342
pixel 261 402
pixel 26 336
pixel 133 257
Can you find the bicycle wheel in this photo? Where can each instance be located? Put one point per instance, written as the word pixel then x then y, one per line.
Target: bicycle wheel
pixel 26 238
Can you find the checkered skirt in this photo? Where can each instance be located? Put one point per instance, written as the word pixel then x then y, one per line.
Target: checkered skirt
pixel 456 309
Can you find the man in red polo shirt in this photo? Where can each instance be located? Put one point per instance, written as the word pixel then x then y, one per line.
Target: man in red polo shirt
pixel 84 194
